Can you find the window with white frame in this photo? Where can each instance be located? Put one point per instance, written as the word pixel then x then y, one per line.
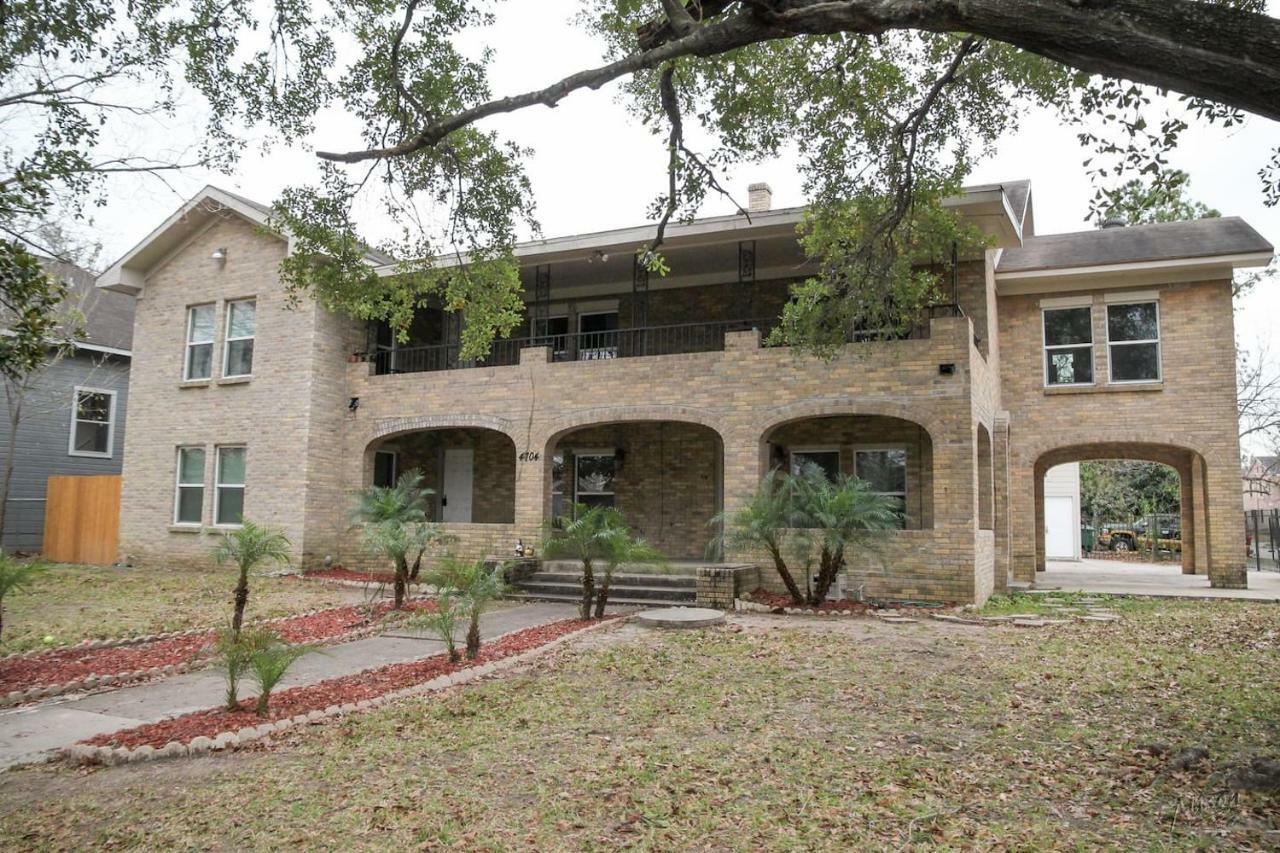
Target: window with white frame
pixel 594 477
pixel 1133 341
pixel 557 487
pixel 1068 346
pixel 885 471
pixel 93 414
pixel 199 358
pixel 228 497
pixel 188 503
pixel 241 325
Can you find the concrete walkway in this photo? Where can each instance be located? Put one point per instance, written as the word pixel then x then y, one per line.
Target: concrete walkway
pixel 27 733
pixel 1164 580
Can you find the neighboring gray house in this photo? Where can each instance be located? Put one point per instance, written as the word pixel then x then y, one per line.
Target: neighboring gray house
pixel 73 415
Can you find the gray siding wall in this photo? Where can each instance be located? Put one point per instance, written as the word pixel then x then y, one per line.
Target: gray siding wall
pixel 44 436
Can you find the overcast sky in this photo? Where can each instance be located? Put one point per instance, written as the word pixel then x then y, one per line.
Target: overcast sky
pixel 595 168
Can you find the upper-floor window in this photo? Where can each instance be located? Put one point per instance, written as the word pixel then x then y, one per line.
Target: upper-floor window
pixel 188 502
pixel 1133 341
pixel 228 496
pixel 241 324
pixel 92 422
pixel 199 360
pixel 1068 346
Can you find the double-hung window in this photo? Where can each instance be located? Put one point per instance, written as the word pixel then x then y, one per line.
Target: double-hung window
pixel 826 460
pixel 557 487
pixel 885 471
pixel 595 472
pixel 199 358
pixel 92 422
pixel 1133 341
pixel 241 325
pixel 1068 346
pixel 228 498
pixel 188 504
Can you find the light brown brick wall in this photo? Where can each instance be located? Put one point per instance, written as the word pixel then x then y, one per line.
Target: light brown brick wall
pixel 1190 415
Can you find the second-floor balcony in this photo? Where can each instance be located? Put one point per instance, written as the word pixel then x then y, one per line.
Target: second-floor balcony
pixel 677 339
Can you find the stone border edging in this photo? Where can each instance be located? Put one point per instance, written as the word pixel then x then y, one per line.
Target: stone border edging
pixel 120 679
pixel 111 756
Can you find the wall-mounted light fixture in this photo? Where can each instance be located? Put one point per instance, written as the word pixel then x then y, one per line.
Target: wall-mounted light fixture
pixel 353 405
pixel 219 255
pixel 598 255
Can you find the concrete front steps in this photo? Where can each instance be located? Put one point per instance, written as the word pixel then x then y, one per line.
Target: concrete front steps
pixel 558 582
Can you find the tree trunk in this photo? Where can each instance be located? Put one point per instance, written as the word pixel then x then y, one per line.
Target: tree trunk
pixel 788 581
pixel 401 583
pixel 603 598
pixel 1 618
pixel 588 589
pixel 15 417
pixel 261 707
pixel 241 599
pixel 473 635
pixel 417 566
pixel 828 567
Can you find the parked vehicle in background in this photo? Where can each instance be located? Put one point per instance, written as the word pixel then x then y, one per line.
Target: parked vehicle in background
pixel 1161 532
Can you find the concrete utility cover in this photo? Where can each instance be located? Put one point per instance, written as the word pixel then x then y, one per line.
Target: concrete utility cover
pixel 680 617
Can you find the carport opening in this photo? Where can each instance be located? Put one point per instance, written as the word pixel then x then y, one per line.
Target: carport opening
pixel 1131 507
pixel 471 471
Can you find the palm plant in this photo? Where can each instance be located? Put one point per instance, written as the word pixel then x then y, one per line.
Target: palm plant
pixel 793 516
pixel 587 537
pixel 396 527
pixel 16 575
pixel 269 662
pixel 476 584
pixel 768 522
pixel 235 650
pixel 837 517
pixel 248 546
pixel 443 621
pixel 621 546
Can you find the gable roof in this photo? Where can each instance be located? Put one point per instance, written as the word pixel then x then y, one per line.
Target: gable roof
pixel 108 316
pixel 1197 238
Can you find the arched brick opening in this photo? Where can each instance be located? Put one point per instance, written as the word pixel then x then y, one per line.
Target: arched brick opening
pixel 1186 462
pixel 665 475
pixel 470 470
pixel 986 480
pixel 894 454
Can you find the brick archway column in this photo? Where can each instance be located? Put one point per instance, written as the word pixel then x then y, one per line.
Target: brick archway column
pixel 1224 510
pixel 1001 485
pixel 745 462
pixel 1199 514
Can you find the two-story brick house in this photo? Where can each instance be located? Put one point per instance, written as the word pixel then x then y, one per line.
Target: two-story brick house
pixel 659 395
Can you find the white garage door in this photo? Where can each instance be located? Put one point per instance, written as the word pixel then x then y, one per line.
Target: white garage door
pixel 1059 538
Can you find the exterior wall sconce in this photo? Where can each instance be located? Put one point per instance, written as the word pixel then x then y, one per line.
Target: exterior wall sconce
pixel 353 405
pixel 219 255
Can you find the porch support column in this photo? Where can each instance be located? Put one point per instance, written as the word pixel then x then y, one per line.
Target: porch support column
pixel 1000 488
pixel 1224 505
pixel 745 462
pixel 1199 511
pixel 1186 476
pixel 1021 505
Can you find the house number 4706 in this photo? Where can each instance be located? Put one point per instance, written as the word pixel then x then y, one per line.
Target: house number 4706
pixel 530 456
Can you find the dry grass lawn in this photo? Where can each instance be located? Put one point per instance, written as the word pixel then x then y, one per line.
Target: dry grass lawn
pixel 72 603
pixel 797 734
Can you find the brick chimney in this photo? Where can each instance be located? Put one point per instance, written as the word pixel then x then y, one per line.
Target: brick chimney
pixel 759 198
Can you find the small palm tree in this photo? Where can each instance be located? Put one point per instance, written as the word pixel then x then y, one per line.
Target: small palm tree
pixel 443 620
pixel 476 584
pixel 793 516
pixel 594 535
pixel 768 522
pixel 269 662
pixel 235 650
pixel 16 575
pixel 622 547
pixel 396 527
pixel 248 546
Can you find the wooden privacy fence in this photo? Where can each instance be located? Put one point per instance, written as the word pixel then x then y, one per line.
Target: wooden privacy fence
pixel 82 519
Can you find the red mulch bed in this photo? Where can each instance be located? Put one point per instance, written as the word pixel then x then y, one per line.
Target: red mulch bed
pixel 335 691
pixel 338 573
pixel 63 665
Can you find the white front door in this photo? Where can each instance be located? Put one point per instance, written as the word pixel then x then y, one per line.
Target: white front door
pixel 1059 538
pixel 456 499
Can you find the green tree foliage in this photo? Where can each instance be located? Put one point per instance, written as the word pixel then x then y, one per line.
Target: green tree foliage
pixel 395 527
pixel 888 104
pixel 1138 202
pixel 234 651
pixel 15 576
pixel 269 662
pixel 1118 490
pixel 249 546
pixel 807 517
pixel 443 621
